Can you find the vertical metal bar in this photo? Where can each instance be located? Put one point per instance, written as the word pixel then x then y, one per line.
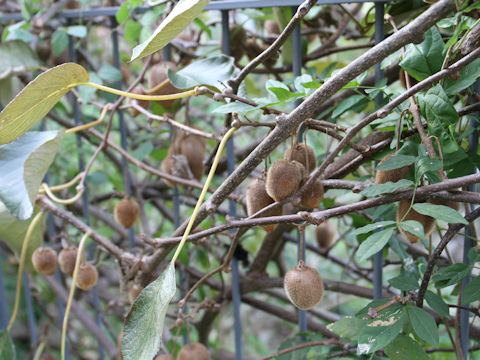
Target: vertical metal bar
pixel 3 297
pixel 467 242
pixel 85 205
pixel 32 326
pixel 378 257
pixel 233 211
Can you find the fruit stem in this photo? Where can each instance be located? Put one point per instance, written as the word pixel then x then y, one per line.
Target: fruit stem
pixel 21 265
pixel 144 97
pixel 39 350
pixel 63 186
pixel 72 292
pixel 58 200
pixel 158 87
pixel 204 192
pixel 103 114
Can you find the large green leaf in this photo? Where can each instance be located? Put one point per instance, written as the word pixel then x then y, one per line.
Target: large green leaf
pixel 37 98
pixel 371 227
pixel 440 212
pixel 413 227
pixel 405 348
pixel 180 17
pixel 424 324
pixel 438 108
pixel 386 188
pixel 374 244
pixel 142 335
pixel 396 162
pixel 23 164
pixel 17 57
pixel 209 71
pixel 472 291
pixel 347 327
pixel 437 303
pixel 7 350
pixel 404 282
pixel 12 232
pixel 469 74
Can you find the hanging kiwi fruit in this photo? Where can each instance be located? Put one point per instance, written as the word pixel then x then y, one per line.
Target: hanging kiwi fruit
pixel 126 212
pixel 257 199
pixel 87 276
pixel 304 154
pixel 383 176
pixel 44 260
pixel 325 234
pixel 66 260
pixel 304 286
pixel 313 194
pixel 156 76
pixel 284 178
pixel 143 103
pixel 193 351
pixel 238 37
pixel 402 215
pixel 193 148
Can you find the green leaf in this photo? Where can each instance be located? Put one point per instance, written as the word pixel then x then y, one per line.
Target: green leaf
pixel 109 73
pixel 440 212
pixel 7 349
pixel 347 327
pixel 122 13
pixel 23 164
pixel 132 30
pixel 144 150
pixel 405 348
pixel 178 19
pixel 436 303
pixel 469 74
pixel 438 108
pixel 236 106
pixel 404 282
pixel 451 275
pixel 79 31
pixel 374 244
pixel 348 104
pixel 425 164
pixel 372 227
pixel 210 71
pixel 379 333
pixel 425 59
pixel 37 98
pixel 388 187
pixel 17 58
pixel 413 227
pixel 142 335
pixel 424 324
pixel 284 95
pixel 59 42
pixel 396 162
pixel 472 291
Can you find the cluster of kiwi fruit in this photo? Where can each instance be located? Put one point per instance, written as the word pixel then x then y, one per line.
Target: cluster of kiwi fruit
pixel 45 262
pixel 185 157
pixel 126 212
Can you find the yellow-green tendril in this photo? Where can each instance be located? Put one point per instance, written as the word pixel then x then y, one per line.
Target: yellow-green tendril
pixel 92 124
pixel 58 200
pixel 204 192
pixel 62 186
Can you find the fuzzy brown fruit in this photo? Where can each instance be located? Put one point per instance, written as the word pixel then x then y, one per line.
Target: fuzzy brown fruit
pixel 143 103
pixel 87 276
pixel 304 286
pixel 193 148
pixel 313 195
pixel 427 221
pixel 193 351
pixel 284 178
pixel 257 199
pixel 164 357
pixel 126 212
pixel 66 260
pixel 272 27
pixel 238 37
pixel 304 154
pixel 383 176
pixel 325 234
pixel 44 260
pixel 157 75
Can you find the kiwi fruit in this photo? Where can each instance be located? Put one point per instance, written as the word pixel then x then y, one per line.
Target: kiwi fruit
pixel 383 176
pixel 193 351
pixel 66 260
pixel 126 212
pixel 44 260
pixel 325 234
pixel 313 195
pixel 238 37
pixel 177 165
pixel 193 148
pixel 252 48
pixel 272 27
pixel 257 199
pixel 284 178
pixel 164 357
pixel 143 103
pixel 302 153
pixel 157 75
pixel 427 221
pixel 87 276
pixel 403 81
pixel 304 286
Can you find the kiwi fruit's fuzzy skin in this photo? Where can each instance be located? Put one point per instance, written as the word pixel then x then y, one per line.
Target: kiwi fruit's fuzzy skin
pixel 157 75
pixel 257 199
pixel 87 276
pixel 313 195
pixel 44 260
pixel 66 260
pixel 164 357
pixel 427 221
pixel 238 37
pixel 304 286
pixel 126 212
pixel 143 103
pixel 272 27
pixel 252 48
pixel 193 148
pixel 193 351
pixel 325 234
pixel 383 176
pixel 284 178
pixel 300 152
